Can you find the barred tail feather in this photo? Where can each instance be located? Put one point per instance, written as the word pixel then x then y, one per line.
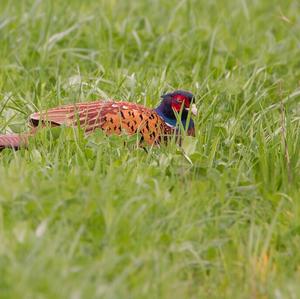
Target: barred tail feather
pixel 13 141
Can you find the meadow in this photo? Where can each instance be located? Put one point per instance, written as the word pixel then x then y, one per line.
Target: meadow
pixel 98 217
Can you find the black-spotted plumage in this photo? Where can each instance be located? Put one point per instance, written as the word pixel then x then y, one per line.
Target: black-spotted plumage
pixel 154 125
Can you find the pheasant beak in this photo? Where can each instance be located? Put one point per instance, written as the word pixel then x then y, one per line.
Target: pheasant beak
pixel 193 109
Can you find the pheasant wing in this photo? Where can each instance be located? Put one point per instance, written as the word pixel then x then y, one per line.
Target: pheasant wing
pixel 67 114
pixel 112 117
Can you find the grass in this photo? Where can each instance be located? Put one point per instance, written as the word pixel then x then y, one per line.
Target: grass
pixel 92 218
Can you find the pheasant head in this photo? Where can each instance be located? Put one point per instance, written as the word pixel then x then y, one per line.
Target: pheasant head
pixel 177 103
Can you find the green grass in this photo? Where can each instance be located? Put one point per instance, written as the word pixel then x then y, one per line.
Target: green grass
pixel 94 218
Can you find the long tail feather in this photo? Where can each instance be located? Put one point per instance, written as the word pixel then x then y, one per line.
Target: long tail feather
pixel 13 141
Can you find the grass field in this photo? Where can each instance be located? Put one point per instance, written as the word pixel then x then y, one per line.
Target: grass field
pixel 92 218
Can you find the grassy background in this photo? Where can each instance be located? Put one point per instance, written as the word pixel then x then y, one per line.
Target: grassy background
pixel 92 218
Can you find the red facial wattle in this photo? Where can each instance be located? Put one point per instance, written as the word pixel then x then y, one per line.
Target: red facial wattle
pixel 178 101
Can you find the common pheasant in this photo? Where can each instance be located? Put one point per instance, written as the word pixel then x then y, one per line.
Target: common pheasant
pixel 154 125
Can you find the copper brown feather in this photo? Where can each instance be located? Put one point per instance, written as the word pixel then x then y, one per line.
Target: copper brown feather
pixel 112 117
pixel 154 125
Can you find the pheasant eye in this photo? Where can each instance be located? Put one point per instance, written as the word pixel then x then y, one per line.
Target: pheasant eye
pixel 179 98
pixel 182 99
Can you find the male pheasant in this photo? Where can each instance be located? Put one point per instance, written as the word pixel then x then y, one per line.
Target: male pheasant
pixel 154 125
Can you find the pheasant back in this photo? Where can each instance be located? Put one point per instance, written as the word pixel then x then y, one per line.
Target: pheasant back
pixel 112 117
